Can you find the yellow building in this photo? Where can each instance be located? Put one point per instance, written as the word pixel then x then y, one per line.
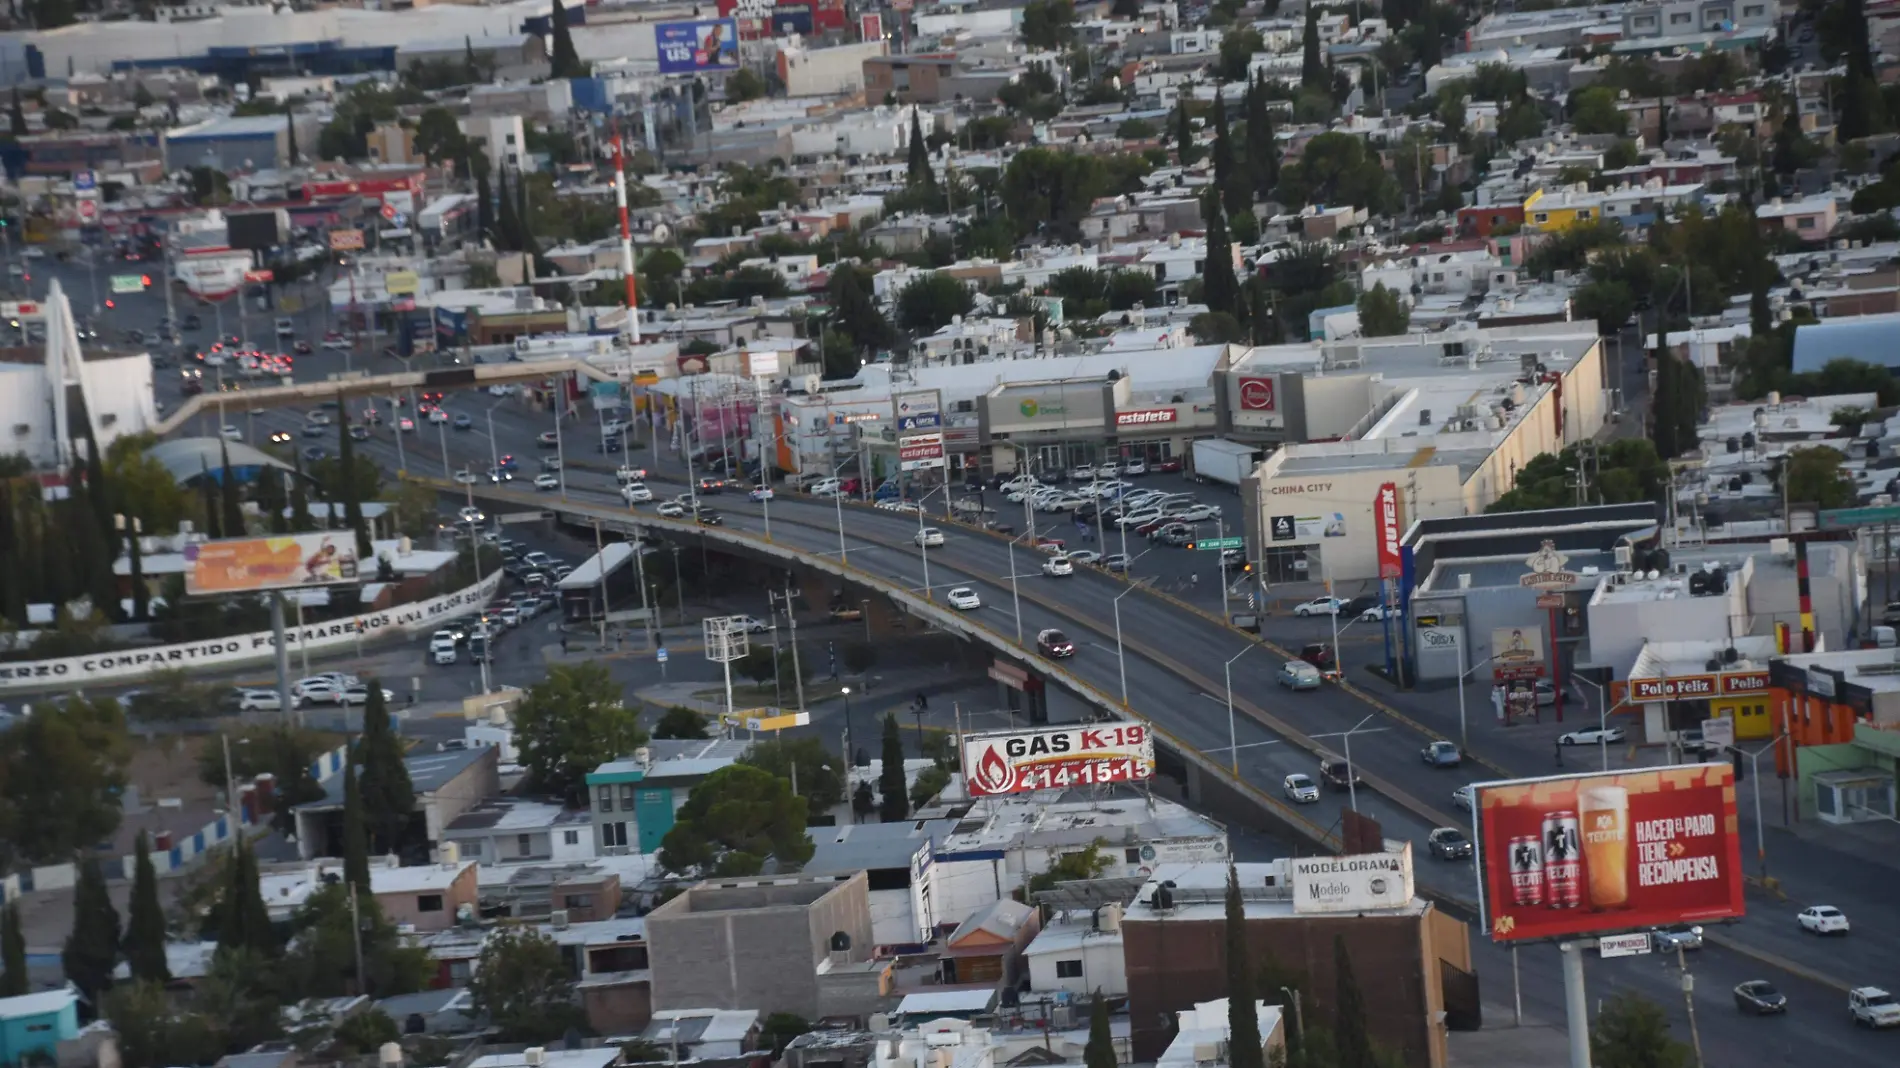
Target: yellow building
pixel 1561 209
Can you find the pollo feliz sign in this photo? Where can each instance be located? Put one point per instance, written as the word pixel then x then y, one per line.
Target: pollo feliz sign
pixel 1021 761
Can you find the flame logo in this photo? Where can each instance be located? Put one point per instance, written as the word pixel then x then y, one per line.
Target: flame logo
pixel 992 774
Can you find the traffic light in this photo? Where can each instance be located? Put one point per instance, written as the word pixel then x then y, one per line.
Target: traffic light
pixel 145 280
pixel 109 304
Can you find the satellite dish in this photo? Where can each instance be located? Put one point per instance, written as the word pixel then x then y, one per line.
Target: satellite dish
pixel 662 233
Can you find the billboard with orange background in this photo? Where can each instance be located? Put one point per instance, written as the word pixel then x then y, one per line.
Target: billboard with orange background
pixel 1583 854
pixel 247 565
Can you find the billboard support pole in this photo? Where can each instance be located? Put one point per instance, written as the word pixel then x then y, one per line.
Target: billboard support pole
pixel 1576 1005
pixel 1517 992
pixel 282 652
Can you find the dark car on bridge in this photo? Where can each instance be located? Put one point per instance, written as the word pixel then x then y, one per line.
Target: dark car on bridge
pixel 1758 997
pixel 1054 644
pixel 463 422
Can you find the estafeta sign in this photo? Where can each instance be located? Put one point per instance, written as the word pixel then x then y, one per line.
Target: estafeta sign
pixel 1145 417
pixel 1351 884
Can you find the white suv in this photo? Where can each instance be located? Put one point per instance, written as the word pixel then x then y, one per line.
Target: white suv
pixel 442 647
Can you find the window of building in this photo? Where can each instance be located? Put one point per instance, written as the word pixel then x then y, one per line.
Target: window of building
pixel 33 1029
pixel 1805 222
pixel 472 848
pixel 460 972
pixel 606 799
pixel 1584 214
pixel 1744 109
pixel 1541 217
pixel 1068 969
pixel 1645 22
pixel 571 838
pixel 1715 14
pixel 1753 11
pixel 1132 855
pixel 577 901
pixel 428 902
pixel 613 834
pixel 1679 18
pixel 626 797
pixel 524 844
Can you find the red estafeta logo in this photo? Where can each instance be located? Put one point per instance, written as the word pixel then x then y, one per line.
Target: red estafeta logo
pixel 1145 417
pixel 1256 394
pixel 1390 563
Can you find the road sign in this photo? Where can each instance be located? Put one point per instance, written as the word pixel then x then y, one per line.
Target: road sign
pixel 1849 518
pixel 88 209
pixel 84 181
pixel 1623 945
pixel 1719 730
pixel 660 654
pixel 389 211
pixel 1219 543
pixel 128 283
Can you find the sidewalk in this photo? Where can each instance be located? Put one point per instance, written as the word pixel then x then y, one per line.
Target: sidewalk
pixel 1503 1045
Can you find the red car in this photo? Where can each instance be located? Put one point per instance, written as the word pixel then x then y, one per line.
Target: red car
pixel 302 348
pixel 1054 644
pixel 1165 466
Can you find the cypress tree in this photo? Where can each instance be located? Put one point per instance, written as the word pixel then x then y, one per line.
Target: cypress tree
pixel 507 227
pixel 12 597
pixel 1354 1045
pixel 228 493
pixel 355 836
pixel 299 496
pixel 290 132
pixel 141 597
pixel 243 921
pixel 1312 70
pixel 208 498
pixel 470 69
pixel 1227 177
pixel 1184 129
pixel 524 220
pixel 388 796
pixel 13 977
pixel 1219 287
pixel 564 61
pixel 145 925
pixel 1663 404
pixel 92 950
pixel 1263 152
pixel 16 116
pixel 1100 1051
pixel 484 205
pixel 346 474
pixel 920 173
pixel 1243 1024
pixel 894 802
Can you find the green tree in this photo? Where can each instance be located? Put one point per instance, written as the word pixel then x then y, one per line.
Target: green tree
pixel 1610 303
pixel 1237 49
pixel 235 992
pixel 347 486
pixel 145 925
pixel 919 174
pixel 821 776
pixel 1594 111
pixel 322 960
pixel 733 820
pixel 931 300
pixel 1079 866
pixel 1236 196
pixel 571 722
pixel 1048 25
pixel 439 136
pixel 355 830
pixel 92 949
pixel 1350 1024
pixel 682 722
pixel 14 980
pixel 242 920
pixel 1185 152
pixel 855 311
pixel 363 1033
pixel 1313 73
pixel 524 986
pixel 152 1032
pixel 744 84
pixel 1337 168
pixel 1243 1021
pixel 1814 475
pixel 1220 286
pixel 1632 1032
pixel 1216 328
pixel 62 773
pixel 1382 313
pixel 892 785
pixel 1100 1050
pixel 564 61
pixel 1263 151
pixel 389 798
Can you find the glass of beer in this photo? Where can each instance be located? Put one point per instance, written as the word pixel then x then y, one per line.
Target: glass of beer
pixel 1605 814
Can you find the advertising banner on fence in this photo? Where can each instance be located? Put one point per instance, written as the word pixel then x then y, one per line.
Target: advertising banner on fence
pixel 124 665
pixel 691 47
pixel 1352 884
pixel 246 565
pixel 1017 762
pixel 1580 854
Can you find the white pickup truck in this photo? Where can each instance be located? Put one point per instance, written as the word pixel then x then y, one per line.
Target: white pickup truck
pixel 1871 1006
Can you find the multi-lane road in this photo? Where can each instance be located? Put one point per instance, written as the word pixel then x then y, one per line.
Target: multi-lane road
pixel 1174 659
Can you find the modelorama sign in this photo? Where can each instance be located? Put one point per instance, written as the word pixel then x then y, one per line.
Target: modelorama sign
pixel 126 664
pixel 1353 883
pixel 1016 762
pixel 1582 854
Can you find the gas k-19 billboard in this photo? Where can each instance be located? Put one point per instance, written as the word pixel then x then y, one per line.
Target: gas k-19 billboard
pixel 1017 762
pixel 1583 854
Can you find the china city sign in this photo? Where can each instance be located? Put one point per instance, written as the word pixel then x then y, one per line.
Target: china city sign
pixel 1589 854
pixel 1547 569
pixel 1015 762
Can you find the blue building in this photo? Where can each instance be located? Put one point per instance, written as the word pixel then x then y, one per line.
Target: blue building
pixel 633 800
pixel 1866 338
pixel 37 1023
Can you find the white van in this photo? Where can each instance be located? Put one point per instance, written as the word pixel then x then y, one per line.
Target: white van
pixel 442 647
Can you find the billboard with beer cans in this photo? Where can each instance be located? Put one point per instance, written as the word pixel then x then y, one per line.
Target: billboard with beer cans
pixel 1582 854
pixel 1015 762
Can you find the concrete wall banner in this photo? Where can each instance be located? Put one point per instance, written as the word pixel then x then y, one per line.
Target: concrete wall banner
pixel 93 669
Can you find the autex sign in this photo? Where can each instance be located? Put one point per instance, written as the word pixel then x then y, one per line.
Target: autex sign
pixel 1385 508
pixel 1145 417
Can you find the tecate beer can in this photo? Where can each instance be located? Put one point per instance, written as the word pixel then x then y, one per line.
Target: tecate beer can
pixel 1563 861
pixel 1527 870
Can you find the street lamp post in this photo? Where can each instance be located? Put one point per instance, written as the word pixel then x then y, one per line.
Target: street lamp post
pixel 1121 666
pixel 1233 740
pixel 1754 772
pixel 846 690
pixel 1352 785
pixel 837 501
pixel 1464 735
pixel 923 551
pixel 1015 600
pixel 1603 719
